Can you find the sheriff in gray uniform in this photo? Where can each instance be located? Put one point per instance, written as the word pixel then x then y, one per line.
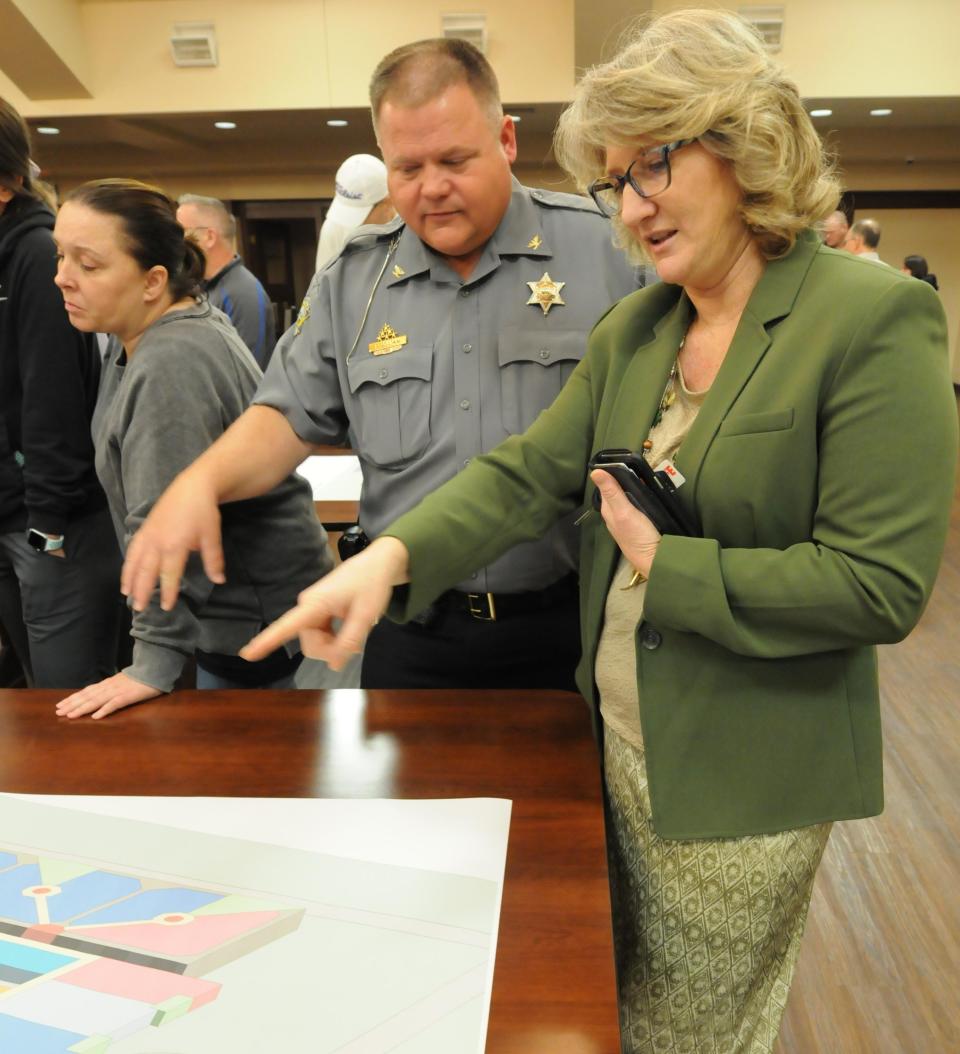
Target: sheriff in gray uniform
pixel 426 343
pixel 424 370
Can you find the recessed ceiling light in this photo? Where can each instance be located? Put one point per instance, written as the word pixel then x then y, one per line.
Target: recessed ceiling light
pixel 46 129
pixel 882 112
pixel 337 122
pixel 226 125
pixel 820 113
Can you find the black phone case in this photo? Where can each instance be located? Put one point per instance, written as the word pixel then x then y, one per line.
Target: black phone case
pixel 654 498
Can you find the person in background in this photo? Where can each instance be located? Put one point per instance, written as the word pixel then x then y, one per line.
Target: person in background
pixel 177 376
pixel 428 341
pixel 835 229
pixel 864 240
pixel 917 266
pixel 732 670
pixel 360 198
pixel 228 283
pixel 59 559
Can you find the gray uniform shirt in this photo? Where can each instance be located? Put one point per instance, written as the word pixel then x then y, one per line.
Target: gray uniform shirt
pixel 188 380
pixel 422 370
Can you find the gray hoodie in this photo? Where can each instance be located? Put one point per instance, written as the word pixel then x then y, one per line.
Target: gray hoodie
pixel 190 378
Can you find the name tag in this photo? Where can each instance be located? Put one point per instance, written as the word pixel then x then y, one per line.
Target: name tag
pixel 674 474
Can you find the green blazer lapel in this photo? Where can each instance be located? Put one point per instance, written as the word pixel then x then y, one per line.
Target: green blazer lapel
pixel 639 389
pixel 773 299
pixel 641 386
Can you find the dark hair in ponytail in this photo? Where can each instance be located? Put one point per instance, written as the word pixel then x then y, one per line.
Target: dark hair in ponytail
pixel 149 221
pixel 15 155
pixel 917 266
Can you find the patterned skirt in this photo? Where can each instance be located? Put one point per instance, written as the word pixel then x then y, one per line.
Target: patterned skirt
pixel 707 933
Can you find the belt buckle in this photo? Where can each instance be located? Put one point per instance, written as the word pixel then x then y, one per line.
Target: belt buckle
pixel 482 607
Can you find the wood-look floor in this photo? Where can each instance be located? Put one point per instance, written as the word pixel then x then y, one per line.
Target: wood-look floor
pixel 879 971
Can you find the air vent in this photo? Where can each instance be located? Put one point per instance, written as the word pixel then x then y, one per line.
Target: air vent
pixel 194 44
pixel 472 28
pixel 768 22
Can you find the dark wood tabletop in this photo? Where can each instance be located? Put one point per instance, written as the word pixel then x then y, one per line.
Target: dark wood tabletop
pixel 337 515
pixel 553 986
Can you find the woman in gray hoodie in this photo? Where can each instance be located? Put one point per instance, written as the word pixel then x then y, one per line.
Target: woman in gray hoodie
pixel 177 376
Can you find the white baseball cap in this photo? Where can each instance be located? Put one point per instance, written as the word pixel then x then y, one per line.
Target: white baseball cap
pixel 361 182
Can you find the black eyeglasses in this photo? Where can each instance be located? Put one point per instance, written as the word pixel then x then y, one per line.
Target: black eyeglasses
pixel 648 175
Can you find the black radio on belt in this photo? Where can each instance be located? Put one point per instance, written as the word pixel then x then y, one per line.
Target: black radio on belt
pixel 353 540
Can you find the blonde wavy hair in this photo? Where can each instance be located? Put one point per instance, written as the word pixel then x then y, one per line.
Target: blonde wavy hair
pixel 706 74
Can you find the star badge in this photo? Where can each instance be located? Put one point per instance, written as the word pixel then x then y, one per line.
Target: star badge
pixel 535 242
pixel 546 292
pixel 398 271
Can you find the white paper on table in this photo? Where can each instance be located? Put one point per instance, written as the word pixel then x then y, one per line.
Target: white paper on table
pixel 333 477
pixel 402 902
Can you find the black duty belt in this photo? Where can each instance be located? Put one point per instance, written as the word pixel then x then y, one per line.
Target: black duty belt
pixel 492 607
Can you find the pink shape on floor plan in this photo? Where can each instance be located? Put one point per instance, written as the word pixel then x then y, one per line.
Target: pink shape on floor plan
pixel 190 935
pixel 141 982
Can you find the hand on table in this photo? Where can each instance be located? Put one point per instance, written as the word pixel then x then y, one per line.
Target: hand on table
pixel 631 529
pixel 357 592
pixel 105 697
pixel 185 519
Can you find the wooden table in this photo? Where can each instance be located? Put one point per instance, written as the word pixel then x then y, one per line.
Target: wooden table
pixel 554 982
pixel 337 515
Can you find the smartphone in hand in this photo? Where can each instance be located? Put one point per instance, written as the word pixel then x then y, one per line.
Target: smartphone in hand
pixel 656 498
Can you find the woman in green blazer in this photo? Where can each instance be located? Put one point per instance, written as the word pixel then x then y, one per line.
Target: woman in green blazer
pixel 804 398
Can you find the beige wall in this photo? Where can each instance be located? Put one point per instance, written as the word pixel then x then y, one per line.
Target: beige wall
pixel 319 53
pixel 292 54
pixel 865 48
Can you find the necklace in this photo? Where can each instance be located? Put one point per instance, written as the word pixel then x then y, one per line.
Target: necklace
pixel 666 400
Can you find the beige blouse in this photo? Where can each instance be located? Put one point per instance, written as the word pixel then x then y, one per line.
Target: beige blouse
pixel 616 668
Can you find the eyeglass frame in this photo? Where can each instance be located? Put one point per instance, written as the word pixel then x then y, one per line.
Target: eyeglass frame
pixel 617 183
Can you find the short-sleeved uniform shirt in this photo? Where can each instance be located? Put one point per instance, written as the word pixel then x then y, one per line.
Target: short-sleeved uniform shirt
pixel 421 370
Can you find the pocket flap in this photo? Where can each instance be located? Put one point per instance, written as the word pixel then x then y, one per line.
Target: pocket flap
pixel 765 421
pixel 544 346
pixel 406 364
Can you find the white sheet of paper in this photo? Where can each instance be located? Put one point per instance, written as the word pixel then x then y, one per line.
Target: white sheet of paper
pixel 333 477
pixel 402 900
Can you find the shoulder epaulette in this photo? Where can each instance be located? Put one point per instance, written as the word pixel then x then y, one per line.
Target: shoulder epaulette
pixel 369 236
pixel 557 199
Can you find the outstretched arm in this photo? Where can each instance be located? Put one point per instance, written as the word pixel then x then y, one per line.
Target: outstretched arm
pixel 256 452
pixel 357 593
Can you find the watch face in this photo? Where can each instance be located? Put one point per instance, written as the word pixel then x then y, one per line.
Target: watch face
pixel 36 540
pixel 39 541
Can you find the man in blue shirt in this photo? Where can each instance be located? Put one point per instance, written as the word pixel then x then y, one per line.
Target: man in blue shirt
pixel 229 285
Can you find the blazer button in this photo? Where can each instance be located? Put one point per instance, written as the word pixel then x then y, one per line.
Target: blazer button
pixel 650 638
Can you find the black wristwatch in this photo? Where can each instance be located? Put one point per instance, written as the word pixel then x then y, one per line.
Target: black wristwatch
pixel 39 541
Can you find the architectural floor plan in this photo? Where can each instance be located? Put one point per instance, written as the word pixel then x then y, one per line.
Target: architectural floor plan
pixel 130 936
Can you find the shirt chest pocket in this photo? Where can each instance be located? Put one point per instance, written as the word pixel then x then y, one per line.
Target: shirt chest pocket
pixel 534 366
pixel 393 395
